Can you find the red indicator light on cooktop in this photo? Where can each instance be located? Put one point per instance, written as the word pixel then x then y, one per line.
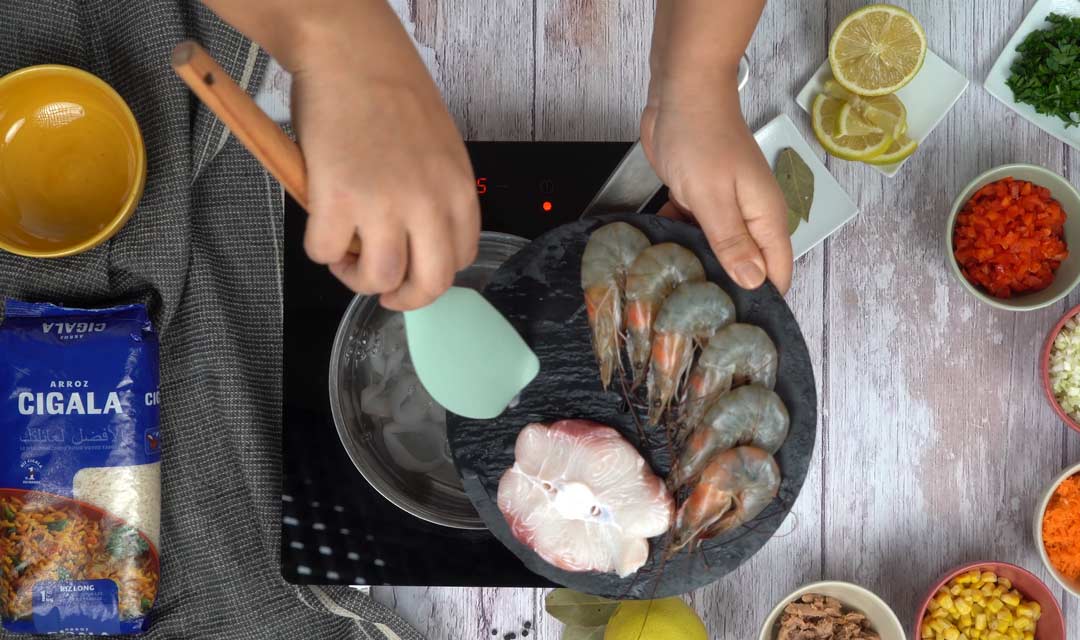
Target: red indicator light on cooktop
pixel 546 206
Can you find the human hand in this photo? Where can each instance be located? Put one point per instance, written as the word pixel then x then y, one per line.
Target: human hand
pixel 384 160
pixel 717 176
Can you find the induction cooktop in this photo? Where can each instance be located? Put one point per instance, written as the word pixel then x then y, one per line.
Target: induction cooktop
pixel 336 529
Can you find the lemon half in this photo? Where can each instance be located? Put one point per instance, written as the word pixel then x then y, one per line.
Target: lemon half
pixel 667 619
pixel 877 50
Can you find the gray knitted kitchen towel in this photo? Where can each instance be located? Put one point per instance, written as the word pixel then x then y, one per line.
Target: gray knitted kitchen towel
pixel 204 253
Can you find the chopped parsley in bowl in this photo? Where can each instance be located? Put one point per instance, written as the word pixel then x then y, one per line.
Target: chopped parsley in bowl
pixel 1047 73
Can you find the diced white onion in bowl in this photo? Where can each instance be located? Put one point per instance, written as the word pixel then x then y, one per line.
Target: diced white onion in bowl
pixel 1065 368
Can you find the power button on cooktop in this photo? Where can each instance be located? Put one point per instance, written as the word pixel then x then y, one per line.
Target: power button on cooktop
pixel 547 186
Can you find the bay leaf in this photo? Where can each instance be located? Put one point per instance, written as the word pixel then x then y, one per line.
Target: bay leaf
pixel 793 222
pixel 583 633
pixel 797 182
pixel 579 609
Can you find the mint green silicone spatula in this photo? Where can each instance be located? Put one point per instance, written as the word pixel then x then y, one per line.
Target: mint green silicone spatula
pixel 467 355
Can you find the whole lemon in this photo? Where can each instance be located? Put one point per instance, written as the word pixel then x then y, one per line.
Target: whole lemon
pixel 667 619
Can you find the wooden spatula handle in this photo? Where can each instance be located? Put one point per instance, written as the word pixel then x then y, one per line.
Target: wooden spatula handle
pixel 253 128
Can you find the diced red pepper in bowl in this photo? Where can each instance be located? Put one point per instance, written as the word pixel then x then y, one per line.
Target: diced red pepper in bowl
pixel 1009 239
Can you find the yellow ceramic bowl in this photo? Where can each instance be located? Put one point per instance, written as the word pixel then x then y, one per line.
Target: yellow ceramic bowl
pixel 72 161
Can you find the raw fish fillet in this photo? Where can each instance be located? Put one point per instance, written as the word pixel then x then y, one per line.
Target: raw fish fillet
pixel 583 498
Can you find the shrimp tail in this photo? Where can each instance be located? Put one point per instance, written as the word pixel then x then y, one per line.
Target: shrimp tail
pixel 602 304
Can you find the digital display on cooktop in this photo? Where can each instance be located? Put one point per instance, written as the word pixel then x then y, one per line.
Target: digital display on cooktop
pixel 544 204
pixel 337 529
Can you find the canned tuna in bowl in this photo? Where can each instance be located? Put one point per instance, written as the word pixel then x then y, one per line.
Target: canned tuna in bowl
pixel 394 433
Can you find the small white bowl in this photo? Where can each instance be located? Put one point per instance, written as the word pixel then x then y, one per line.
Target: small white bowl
pixel 1071 586
pixel 852 596
pixel 1068 274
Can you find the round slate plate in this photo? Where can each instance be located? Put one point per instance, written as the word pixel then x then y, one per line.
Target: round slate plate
pixel 539 291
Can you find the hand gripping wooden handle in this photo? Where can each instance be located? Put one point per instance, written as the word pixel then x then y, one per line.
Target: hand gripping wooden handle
pixel 253 128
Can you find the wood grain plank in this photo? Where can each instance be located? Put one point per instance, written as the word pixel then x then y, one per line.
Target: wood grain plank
pixel 482 60
pixel 592 68
pixel 938 448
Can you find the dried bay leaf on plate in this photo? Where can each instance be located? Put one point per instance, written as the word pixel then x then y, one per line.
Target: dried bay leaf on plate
pixel 579 609
pixel 793 222
pixel 583 633
pixel 797 183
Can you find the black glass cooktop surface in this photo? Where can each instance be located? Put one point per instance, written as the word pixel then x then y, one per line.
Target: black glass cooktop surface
pixel 336 529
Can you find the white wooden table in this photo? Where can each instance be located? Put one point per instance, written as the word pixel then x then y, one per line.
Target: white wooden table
pixel 935 442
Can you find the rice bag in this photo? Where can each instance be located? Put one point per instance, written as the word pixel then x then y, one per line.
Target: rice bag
pixel 80 469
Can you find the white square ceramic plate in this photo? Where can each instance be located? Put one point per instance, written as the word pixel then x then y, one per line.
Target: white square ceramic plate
pixel 832 207
pixel 928 98
pixel 999 74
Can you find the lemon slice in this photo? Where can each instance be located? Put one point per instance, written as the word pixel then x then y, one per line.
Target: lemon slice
pixel 877 50
pixel 885 112
pixel 824 114
pixel 900 149
pixel 850 123
pixel 833 89
pixel 864 115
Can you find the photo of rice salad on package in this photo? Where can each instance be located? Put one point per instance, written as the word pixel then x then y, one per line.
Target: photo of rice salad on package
pixel 80 476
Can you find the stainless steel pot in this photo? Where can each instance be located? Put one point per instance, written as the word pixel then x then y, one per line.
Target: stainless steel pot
pixel 436 495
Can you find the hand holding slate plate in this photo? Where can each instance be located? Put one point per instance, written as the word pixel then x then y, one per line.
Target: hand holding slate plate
pixel 539 291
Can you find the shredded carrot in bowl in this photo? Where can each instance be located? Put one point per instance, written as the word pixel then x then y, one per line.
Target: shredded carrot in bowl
pixel 1061 528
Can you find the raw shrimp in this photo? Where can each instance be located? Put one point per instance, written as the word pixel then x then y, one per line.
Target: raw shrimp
pixel 653 276
pixel 733 489
pixel 749 415
pixel 690 316
pixel 608 255
pixel 738 354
